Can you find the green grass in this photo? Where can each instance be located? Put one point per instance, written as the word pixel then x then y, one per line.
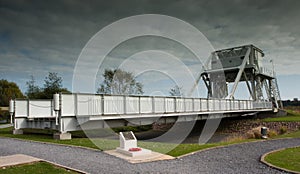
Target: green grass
pixel 292 116
pixel 283 119
pixel 36 168
pixel 288 159
pixel 85 142
pixel 295 134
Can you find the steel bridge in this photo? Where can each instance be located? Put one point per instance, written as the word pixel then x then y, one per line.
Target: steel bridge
pixel 71 112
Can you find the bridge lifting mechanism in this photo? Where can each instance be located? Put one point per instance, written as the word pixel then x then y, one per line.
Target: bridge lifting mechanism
pixel 240 64
pixel 71 112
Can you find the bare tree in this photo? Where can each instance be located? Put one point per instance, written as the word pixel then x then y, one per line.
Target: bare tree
pixel 120 82
pixel 176 91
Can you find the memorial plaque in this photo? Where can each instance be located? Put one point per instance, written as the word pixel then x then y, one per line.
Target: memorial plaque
pixel 128 135
pixel 128 145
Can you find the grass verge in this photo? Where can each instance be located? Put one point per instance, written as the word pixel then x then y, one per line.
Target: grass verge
pixel 37 168
pixel 292 116
pixel 85 142
pixel 288 159
pixel 295 134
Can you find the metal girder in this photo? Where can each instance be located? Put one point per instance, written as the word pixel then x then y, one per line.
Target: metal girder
pixel 258 87
pixel 248 86
pixel 239 75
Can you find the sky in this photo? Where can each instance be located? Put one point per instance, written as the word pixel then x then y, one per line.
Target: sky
pixel 37 37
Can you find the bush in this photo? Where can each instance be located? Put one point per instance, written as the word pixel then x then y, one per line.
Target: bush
pixel 235 138
pixel 250 135
pixel 283 130
pixel 257 135
pixel 272 133
pixel 254 133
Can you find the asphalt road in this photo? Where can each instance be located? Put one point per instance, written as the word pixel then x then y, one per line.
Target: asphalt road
pixel 240 158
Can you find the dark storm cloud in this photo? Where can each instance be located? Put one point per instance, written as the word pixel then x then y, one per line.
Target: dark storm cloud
pixel 41 36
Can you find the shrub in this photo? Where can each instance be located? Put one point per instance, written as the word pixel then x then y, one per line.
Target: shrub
pixel 257 135
pixel 254 133
pixel 272 133
pixel 250 135
pixel 234 138
pixel 282 130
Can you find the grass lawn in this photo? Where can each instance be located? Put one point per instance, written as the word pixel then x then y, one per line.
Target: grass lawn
pixel 288 159
pixel 85 142
pixel 292 116
pixel 295 134
pixel 36 168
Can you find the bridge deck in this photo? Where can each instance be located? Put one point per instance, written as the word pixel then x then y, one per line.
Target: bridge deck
pixel 77 109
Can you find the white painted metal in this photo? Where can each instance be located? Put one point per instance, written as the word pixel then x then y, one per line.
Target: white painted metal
pixel 114 105
pixel 21 108
pixel 197 105
pixel 83 108
pixel 223 105
pixel 132 105
pixel 40 109
pixel 236 105
pixel 170 105
pixel 92 105
pixel 210 104
pixel 159 104
pixel 204 105
pixel 11 106
pixel 179 105
pixel 188 104
pixel 88 104
pixel 67 105
pixel 228 105
pixel 56 102
pixel 216 105
pixel 239 75
pixel 146 104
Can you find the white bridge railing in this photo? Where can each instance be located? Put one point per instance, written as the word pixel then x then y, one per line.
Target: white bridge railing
pixel 109 105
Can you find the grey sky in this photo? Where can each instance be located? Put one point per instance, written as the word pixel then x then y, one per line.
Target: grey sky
pixel 41 36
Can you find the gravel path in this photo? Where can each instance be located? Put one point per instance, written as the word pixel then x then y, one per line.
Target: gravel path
pixel 240 158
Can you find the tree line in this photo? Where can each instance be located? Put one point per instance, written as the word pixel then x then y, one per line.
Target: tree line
pixel 116 81
pixel 52 85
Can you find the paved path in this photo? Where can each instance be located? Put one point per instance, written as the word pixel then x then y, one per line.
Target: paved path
pixel 5 125
pixel 240 158
pixel 16 159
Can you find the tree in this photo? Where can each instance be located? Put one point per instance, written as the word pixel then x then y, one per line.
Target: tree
pixel 176 91
pixel 52 85
pixel 33 91
pixel 9 90
pixel 118 81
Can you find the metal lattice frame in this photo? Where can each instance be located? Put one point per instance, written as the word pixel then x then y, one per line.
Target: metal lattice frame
pixel 248 71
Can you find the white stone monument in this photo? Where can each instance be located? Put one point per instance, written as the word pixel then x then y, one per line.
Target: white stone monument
pixel 128 145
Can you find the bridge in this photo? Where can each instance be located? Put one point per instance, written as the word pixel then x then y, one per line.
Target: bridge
pixel 71 112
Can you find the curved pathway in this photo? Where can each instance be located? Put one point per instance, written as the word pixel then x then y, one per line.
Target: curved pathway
pixel 239 158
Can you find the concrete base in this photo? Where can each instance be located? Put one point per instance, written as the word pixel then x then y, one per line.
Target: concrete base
pixel 154 156
pixel 281 113
pixel 143 152
pixel 17 131
pixel 12 160
pixel 62 136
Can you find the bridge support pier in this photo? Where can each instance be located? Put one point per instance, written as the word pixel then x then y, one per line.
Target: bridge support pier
pixel 62 136
pixel 17 131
